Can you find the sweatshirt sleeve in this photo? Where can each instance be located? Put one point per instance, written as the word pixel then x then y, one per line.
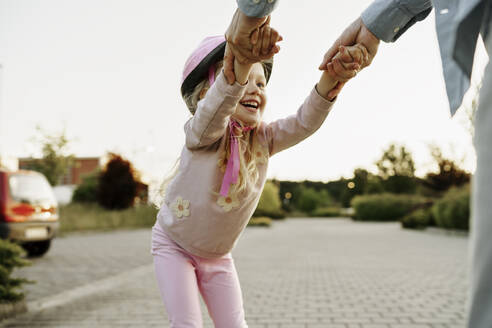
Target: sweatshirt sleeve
pixel 389 19
pixel 287 132
pixel 212 114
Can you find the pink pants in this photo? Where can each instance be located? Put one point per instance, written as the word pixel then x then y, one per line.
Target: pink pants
pixel 181 276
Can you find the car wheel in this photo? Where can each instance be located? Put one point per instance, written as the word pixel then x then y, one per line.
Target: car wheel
pixel 37 248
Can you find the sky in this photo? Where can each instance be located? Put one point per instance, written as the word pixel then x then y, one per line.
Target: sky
pixel 107 72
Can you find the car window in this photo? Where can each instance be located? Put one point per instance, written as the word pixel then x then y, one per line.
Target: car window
pixel 30 188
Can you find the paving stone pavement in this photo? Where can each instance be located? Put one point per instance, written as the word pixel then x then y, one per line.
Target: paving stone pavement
pixel 308 273
pixel 82 258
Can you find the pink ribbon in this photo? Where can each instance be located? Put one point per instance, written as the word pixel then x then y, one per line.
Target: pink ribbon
pixel 232 170
pixel 211 75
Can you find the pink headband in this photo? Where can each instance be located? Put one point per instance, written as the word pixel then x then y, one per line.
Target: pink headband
pixel 199 54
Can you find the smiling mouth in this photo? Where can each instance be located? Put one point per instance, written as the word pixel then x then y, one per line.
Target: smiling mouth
pixel 251 106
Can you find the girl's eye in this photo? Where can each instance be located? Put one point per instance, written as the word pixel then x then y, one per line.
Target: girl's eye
pixel 260 84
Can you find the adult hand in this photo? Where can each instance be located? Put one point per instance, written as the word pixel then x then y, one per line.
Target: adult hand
pixel 249 40
pixel 356 32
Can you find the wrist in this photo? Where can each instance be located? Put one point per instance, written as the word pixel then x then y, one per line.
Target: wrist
pixel 242 71
pixel 326 84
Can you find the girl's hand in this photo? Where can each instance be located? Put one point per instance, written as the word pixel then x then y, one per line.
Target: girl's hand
pixel 347 62
pixel 344 66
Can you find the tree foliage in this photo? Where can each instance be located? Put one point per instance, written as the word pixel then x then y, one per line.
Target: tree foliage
pixel 396 161
pixel 397 170
pixel 117 184
pixel 55 161
pixel 308 200
pixel 270 204
pixel 449 173
pixel 10 259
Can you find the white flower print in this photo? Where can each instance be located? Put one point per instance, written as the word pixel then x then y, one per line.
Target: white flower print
pixel 181 207
pixel 228 203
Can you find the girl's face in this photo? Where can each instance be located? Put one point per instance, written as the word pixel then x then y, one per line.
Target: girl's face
pixel 250 108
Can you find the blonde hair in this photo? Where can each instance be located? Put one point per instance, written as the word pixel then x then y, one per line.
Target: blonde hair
pixel 247 142
pixel 248 170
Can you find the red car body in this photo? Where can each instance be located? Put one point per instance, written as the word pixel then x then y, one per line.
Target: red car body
pixel 28 210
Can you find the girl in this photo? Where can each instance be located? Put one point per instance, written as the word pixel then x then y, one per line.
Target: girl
pixel 220 177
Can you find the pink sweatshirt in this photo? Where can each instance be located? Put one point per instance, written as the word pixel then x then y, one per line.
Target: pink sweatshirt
pixel 192 213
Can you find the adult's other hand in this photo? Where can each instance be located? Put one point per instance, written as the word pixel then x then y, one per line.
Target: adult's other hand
pixel 243 35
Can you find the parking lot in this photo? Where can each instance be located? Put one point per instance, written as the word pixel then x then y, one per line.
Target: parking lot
pixel 299 273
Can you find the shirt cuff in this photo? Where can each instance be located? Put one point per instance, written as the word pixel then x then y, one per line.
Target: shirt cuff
pixel 385 19
pixel 319 102
pixel 257 8
pixel 222 86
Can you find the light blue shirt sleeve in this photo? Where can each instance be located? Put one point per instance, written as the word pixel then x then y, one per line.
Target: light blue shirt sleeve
pixel 389 19
pixel 257 8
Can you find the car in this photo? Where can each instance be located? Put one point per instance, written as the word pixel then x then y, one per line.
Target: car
pixel 28 211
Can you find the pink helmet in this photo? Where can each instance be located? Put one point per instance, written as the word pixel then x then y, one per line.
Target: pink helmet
pixel 209 52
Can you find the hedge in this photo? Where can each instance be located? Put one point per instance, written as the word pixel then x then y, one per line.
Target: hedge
pixel 418 219
pixel 452 211
pixel 384 207
pixel 327 212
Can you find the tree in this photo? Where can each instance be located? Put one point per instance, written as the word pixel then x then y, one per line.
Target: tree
pixel 374 185
pixel 396 161
pixel 355 186
pixel 289 192
pixel 449 174
pixel 308 200
pixel 397 170
pixel 55 161
pixel 10 259
pixel 117 184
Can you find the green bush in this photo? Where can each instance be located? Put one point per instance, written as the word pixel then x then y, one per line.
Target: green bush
pixel 418 219
pixel 326 212
pixel 270 204
pixel 310 199
pixel 87 190
pixel 10 258
pixel 384 207
pixel 452 211
pixel 260 222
